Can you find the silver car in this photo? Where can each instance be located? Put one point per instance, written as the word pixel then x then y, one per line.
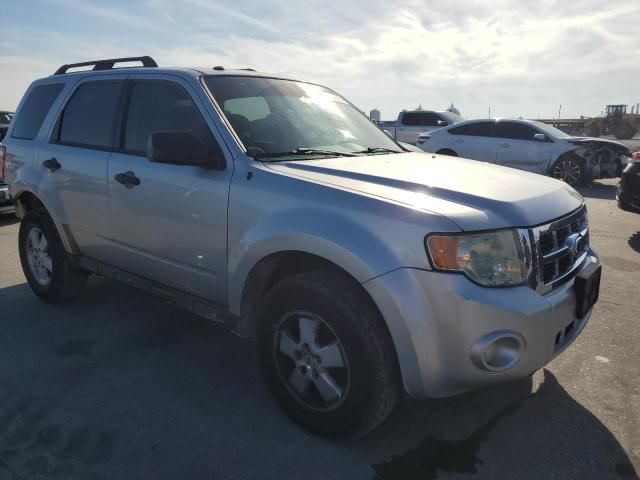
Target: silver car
pixel 532 146
pixel 274 206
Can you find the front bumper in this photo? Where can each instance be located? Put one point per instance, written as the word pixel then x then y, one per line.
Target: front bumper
pixel 436 318
pixel 6 204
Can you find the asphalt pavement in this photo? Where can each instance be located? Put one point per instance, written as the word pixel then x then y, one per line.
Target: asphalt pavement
pixel 120 385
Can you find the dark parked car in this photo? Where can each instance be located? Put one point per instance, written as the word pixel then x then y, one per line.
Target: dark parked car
pixel 5 118
pixel 628 194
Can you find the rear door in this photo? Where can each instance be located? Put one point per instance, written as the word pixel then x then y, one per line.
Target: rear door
pixel 172 226
pixel 75 161
pixel 475 140
pixel 518 149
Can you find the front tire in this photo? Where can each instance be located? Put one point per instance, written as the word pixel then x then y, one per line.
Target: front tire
pixel 45 263
pixel 325 354
pixel 571 171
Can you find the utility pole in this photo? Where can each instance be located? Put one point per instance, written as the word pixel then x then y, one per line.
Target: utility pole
pixel 559 112
pixel 489 111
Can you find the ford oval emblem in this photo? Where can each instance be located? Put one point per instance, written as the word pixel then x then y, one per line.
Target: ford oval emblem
pixel 577 244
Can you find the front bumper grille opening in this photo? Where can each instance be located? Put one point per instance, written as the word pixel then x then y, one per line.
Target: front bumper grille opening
pixel 564 336
pixel 556 249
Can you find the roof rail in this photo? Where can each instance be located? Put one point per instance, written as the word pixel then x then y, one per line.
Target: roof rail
pixel 107 64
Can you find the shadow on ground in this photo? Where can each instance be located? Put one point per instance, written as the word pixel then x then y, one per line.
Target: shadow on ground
pixel 122 385
pixel 595 189
pixel 8 220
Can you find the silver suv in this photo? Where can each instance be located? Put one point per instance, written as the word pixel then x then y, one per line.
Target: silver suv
pixel 276 207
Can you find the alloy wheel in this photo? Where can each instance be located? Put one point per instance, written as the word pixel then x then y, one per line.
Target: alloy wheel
pixel 40 263
pixel 311 361
pixel 567 171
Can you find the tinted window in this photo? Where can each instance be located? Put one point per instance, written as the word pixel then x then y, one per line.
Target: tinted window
pixel 422 119
pixel 516 131
pixel 34 109
pixel 88 118
pixel 412 119
pixel 481 129
pixel 161 106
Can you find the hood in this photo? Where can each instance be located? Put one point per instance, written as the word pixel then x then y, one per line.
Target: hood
pixel 598 142
pixel 474 195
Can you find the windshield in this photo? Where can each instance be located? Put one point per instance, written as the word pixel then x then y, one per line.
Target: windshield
pixel 273 117
pixel 5 117
pixel 451 117
pixel 551 131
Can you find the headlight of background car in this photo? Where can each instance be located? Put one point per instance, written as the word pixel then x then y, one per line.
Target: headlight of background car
pixel 493 259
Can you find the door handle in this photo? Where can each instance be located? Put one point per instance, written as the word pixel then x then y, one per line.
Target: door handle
pixel 128 179
pixel 52 164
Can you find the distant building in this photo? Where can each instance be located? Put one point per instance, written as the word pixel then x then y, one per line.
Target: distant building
pixel 452 108
pixel 374 115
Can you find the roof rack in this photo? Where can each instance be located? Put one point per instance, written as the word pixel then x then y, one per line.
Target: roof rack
pixel 107 64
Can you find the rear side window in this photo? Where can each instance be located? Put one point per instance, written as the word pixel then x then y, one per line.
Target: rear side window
pixel 516 131
pixel 161 105
pixel 481 129
pixel 35 108
pixel 88 119
pixel 422 119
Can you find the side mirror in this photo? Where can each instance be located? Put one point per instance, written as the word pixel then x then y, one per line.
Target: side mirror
pixel 541 137
pixel 183 148
pixel 388 133
pixel 442 123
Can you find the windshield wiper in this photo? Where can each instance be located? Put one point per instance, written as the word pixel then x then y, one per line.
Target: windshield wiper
pixel 301 151
pixel 377 150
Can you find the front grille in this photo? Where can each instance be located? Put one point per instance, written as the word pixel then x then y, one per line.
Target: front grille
pixel 561 247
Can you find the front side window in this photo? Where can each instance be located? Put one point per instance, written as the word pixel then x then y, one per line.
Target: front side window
pixel 161 106
pixel 515 131
pixel 34 110
pixel 273 116
pixel 88 119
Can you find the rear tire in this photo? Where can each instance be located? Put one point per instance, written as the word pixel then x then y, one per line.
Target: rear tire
pixel 448 152
pixel 45 263
pixel 361 370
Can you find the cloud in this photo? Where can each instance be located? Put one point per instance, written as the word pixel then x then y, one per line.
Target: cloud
pixel 520 58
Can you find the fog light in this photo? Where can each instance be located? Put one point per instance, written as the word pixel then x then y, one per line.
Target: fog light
pixel 498 351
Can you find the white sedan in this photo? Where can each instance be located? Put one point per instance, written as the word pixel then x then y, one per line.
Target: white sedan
pixel 529 145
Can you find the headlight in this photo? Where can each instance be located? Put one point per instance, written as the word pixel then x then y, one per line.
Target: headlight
pixel 495 259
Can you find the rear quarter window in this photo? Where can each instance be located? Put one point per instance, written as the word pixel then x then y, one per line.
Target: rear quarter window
pixel 34 110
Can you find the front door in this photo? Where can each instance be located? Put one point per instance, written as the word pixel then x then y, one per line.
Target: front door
pixel 170 227
pixel 517 147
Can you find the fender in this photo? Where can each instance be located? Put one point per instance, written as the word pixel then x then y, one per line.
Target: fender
pixel 350 245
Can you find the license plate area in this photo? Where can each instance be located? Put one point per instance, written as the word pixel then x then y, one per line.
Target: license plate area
pixel 587 288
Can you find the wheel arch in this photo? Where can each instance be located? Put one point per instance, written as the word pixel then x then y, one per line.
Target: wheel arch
pixel 447 151
pixel 27 199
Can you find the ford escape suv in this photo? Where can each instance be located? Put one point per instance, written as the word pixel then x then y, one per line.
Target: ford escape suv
pixel 274 206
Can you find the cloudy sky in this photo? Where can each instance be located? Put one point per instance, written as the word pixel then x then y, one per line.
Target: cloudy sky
pixel 520 58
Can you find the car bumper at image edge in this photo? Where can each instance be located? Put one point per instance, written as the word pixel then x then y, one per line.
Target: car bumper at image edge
pixel 6 205
pixel 441 324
